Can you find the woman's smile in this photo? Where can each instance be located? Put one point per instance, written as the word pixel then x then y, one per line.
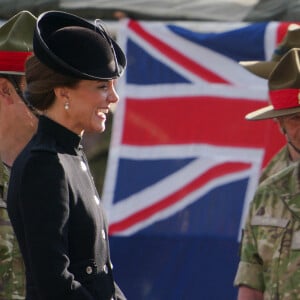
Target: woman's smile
pixel 101 112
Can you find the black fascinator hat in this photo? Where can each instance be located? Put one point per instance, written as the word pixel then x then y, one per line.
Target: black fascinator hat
pixel 72 46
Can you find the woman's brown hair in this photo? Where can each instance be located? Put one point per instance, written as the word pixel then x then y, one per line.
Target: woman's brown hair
pixel 41 81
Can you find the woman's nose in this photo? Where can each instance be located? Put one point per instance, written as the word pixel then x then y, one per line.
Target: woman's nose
pixel 113 96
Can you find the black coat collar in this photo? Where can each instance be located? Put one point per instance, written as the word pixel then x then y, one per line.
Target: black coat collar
pixel 64 137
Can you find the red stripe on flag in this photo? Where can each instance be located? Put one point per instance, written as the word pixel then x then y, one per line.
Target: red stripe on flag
pixel 197 183
pixel 193 119
pixel 176 56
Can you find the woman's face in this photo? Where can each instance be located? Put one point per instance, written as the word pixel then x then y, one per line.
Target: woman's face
pixel 89 102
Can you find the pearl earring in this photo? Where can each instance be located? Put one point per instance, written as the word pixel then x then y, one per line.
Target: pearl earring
pixel 67 105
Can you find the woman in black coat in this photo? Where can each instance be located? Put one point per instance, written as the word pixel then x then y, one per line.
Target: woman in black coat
pixel 53 204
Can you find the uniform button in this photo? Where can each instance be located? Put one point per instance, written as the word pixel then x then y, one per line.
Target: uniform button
pixel 103 234
pixel 105 269
pixel 89 270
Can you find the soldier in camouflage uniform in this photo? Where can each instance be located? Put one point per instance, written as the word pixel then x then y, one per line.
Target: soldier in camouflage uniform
pixel 17 125
pixel 268 267
pixel 290 153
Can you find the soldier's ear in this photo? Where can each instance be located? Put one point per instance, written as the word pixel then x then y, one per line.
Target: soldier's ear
pixel 6 90
pixel 280 123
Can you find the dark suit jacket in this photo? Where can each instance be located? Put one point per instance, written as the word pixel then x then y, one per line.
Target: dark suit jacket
pixel 59 220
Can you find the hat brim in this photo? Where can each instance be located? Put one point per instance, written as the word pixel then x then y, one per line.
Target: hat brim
pixel 12 73
pixel 269 112
pixel 259 68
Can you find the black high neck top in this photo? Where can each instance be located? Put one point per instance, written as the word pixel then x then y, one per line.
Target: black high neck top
pixel 65 138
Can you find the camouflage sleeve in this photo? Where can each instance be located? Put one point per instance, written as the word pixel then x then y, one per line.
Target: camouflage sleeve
pixel 12 271
pixel 250 269
pixel 12 278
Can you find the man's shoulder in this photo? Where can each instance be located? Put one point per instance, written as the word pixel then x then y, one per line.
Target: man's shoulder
pixel 278 162
pixel 285 179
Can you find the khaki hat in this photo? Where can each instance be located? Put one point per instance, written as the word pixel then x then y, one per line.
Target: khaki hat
pixel 16 42
pixel 284 89
pixel 264 68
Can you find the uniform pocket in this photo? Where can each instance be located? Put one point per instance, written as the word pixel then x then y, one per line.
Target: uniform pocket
pixel 269 234
pixel 269 221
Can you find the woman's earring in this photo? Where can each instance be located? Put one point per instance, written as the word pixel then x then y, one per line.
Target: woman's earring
pixel 67 105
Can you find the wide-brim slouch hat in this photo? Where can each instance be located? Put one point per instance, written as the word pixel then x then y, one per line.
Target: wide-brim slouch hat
pixel 72 46
pixel 264 68
pixel 284 89
pixel 16 42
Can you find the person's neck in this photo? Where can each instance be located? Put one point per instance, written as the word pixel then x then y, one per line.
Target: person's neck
pixel 59 117
pixel 9 153
pixel 294 155
pixel 12 143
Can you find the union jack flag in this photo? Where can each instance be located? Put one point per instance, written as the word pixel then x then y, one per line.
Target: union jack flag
pixel 184 163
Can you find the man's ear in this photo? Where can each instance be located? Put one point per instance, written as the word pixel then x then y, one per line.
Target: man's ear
pixel 6 90
pixel 280 122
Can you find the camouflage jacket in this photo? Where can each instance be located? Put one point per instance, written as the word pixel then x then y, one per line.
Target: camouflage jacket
pixel 12 273
pixel 270 249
